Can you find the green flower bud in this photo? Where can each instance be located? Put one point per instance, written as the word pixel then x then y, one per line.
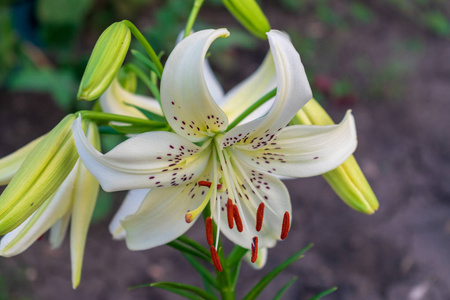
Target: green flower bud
pixel 347 180
pixel 250 15
pixel 11 163
pixel 39 176
pixel 105 61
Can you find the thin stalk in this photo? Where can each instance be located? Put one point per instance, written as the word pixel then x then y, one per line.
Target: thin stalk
pixel 192 17
pixel 253 107
pixel 107 117
pixel 147 81
pixel 138 35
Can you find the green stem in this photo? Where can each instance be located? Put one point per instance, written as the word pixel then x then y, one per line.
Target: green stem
pixel 138 35
pixel 192 17
pixel 253 107
pixel 101 116
pixel 148 82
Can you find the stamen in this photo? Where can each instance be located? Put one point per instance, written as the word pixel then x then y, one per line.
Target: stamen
pixel 191 215
pixel 230 213
pixel 209 230
pixel 204 183
pixel 41 237
pixel 215 259
pixel 237 219
pixel 254 249
pixel 286 225
pixel 260 216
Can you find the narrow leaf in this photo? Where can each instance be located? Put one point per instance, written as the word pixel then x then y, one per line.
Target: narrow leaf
pixel 259 287
pixel 134 128
pixel 147 62
pixel 183 248
pixel 148 114
pixel 173 286
pixel 285 288
pixel 323 294
pixel 193 244
pixel 206 275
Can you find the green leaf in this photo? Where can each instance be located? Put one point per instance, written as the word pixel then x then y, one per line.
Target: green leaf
pixel 148 114
pixel 146 61
pixel 236 255
pixel 128 129
pixel 206 275
pixel 62 12
pixel 285 288
pixel 190 242
pixel 186 295
pixel 259 287
pixel 323 294
pixel 437 22
pixel 184 249
pixel 180 287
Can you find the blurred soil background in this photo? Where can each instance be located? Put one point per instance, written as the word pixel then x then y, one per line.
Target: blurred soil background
pixel 387 60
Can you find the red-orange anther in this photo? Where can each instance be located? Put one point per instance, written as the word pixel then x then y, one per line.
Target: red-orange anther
pixel 209 230
pixel 230 214
pixel 204 183
pixel 254 249
pixel 237 218
pixel 259 216
pixel 286 225
pixel 215 258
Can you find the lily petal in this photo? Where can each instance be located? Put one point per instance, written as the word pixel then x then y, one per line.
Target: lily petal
pixel 253 188
pixel 161 217
pixel 84 199
pixel 151 159
pixel 185 98
pixel 303 150
pixel 59 230
pixel 130 205
pixel 18 240
pixel 242 96
pixel 292 93
pixel 116 98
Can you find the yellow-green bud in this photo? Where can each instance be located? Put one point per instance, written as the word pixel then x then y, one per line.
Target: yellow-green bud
pixel 39 176
pixel 11 163
pixel 106 58
pixel 250 15
pixel 347 180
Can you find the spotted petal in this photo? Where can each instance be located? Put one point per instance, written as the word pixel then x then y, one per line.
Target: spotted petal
pixel 116 98
pixel 293 91
pixel 253 188
pixel 130 205
pixel 185 98
pixel 242 96
pixel 161 217
pixel 151 159
pixel 303 150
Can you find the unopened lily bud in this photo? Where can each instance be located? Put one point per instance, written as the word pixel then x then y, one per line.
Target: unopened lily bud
pixel 39 176
pixel 347 180
pixel 11 163
pixel 250 15
pixel 105 61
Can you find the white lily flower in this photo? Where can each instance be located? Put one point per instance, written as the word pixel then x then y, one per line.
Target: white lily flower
pixel 74 199
pixel 203 163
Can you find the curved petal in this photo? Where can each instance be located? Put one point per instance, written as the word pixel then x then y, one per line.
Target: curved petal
pixel 260 261
pixel 59 230
pixel 242 96
pixel 151 159
pixel 18 240
pixel 292 93
pixel 185 98
pixel 303 150
pixel 215 88
pixel 130 205
pixel 252 189
pixel 161 217
pixel 116 98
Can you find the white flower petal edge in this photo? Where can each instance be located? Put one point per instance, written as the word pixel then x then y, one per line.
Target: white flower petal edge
pixel 260 261
pixel 116 98
pixel 161 217
pixel 293 91
pixel 242 96
pixel 303 150
pixel 151 159
pixel 185 98
pixel 130 205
